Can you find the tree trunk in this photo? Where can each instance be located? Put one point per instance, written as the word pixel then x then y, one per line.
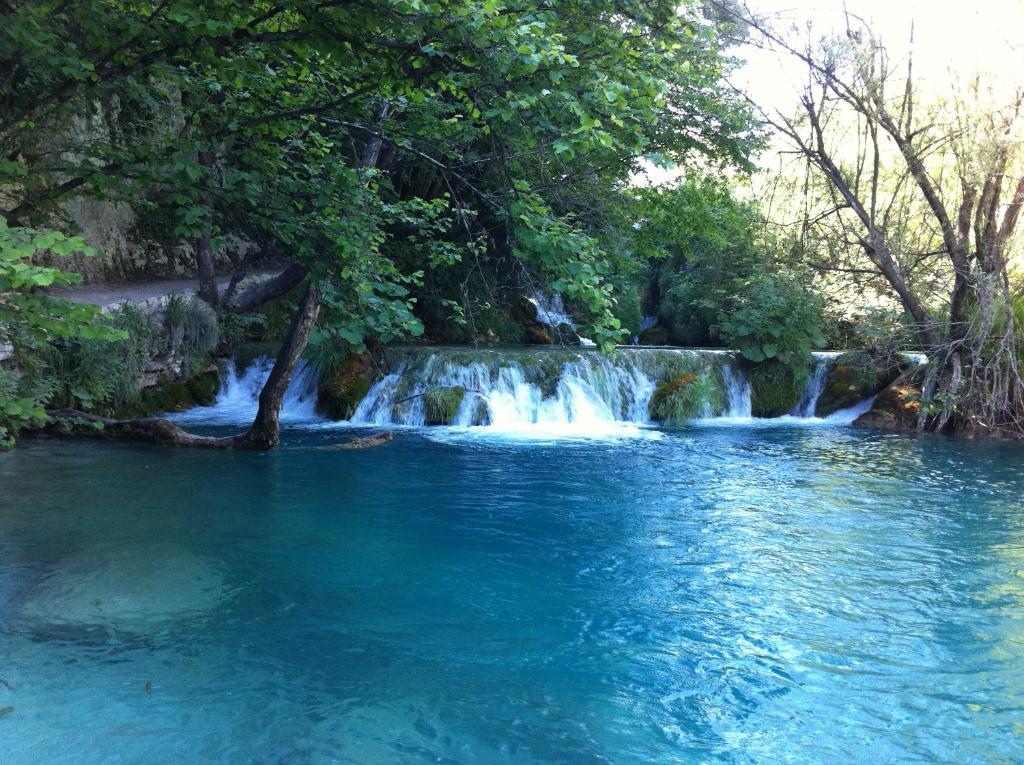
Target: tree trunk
pixel 265 432
pixel 204 252
pixel 207 274
pixel 270 289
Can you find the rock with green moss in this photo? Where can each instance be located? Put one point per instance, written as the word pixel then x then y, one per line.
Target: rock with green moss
pixel 775 389
pixel 341 388
pixel 440 405
pixel 204 386
pixel 165 396
pixel 679 400
pixel 852 378
pixel 497 326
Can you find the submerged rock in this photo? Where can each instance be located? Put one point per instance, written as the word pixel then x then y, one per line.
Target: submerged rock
pixel 130 591
pixel 440 405
pixel 364 442
pixel 895 408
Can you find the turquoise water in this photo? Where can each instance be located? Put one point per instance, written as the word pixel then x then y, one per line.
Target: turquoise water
pixel 734 595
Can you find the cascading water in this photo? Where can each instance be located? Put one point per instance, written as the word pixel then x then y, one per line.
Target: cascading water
pixel 574 392
pixel 737 392
pixel 238 397
pixel 815 385
pixel 570 391
pixel 551 310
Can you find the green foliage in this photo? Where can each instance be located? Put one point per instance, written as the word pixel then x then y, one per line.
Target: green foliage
pixel 507 134
pixel 720 281
pixel 683 398
pixel 627 309
pixel 30 322
pixel 20 404
pixel 99 375
pixel 772 317
pixel 239 328
pixel 191 327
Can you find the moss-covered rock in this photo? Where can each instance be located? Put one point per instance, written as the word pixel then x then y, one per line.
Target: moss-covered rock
pixel 341 388
pixel 852 378
pixel 896 408
pixel 481 414
pixel 440 405
pixel 678 400
pixel 165 396
pixel 204 386
pixel 774 389
pixel 497 326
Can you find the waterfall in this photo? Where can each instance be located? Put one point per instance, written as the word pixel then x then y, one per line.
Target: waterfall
pixel 737 392
pixel 567 391
pixel 238 397
pixel 551 310
pixel 581 391
pixel 571 391
pixel 815 385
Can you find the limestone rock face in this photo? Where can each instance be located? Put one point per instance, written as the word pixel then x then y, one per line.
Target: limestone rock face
pixel 896 408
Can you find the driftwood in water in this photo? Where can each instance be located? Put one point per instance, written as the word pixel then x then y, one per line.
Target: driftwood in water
pixel 154 430
pixel 365 442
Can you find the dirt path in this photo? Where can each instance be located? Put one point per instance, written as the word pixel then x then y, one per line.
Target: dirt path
pixel 106 295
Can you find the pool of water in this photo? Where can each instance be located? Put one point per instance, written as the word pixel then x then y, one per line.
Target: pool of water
pixel 714 594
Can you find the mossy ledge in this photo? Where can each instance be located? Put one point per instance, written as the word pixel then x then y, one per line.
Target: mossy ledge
pixel 440 405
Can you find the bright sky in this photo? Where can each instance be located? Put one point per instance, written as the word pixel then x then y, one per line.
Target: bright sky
pixel 949 36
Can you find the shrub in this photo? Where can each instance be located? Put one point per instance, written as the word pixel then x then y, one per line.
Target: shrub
pixel 191 326
pixel 773 317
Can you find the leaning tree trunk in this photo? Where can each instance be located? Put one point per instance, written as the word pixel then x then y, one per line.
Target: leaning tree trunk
pixel 265 432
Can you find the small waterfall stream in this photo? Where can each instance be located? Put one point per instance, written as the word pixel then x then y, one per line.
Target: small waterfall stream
pixel 815 385
pixel 238 397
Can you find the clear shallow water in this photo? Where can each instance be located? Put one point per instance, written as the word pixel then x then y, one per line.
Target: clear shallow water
pixel 729 594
